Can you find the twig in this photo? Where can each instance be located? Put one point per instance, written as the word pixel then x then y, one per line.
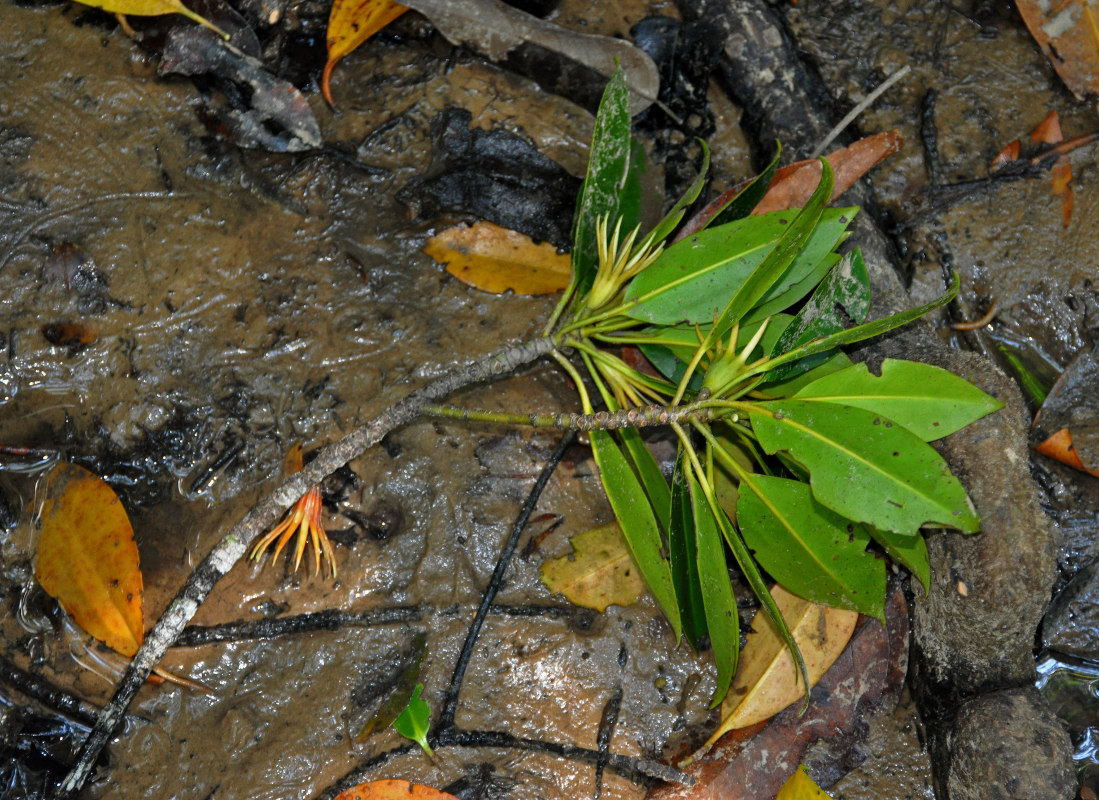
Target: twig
pixel 329 620
pixel 49 695
pixel 977 323
pixel 446 716
pixel 854 112
pixel 236 542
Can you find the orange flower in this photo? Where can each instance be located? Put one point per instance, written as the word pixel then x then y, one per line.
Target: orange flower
pixel 305 518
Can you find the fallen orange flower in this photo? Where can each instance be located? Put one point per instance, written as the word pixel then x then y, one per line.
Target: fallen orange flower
pixel 304 518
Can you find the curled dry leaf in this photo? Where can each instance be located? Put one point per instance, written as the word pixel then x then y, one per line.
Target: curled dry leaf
pixel 393 790
pixel 350 23
pixel 767 679
pixel 1059 446
pixel 1066 32
pixel 152 8
pixel 87 557
pixel 495 259
pixel 598 574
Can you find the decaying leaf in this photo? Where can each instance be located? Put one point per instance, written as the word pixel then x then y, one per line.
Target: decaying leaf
pixel 1059 447
pixel 350 23
pixel 496 259
pixel 152 8
pixel 88 560
pixel 767 680
pixel 800 786
pixel 598 574
pixel 1068 33
pixel 393 790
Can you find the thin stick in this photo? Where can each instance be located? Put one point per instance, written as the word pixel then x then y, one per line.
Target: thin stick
pixel 236 542
pixel 446 716
pixel 977 323
pixel 854 112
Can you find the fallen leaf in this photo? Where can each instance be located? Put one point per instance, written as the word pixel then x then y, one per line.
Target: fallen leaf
pixel 767 680
pixel 87 557
pixel 496 259
pixel 68 333
pixel 800 786
pixel 152 8
pixel 350 23
pixel 1005 156
pixel 393 790
pixel 793 185
pixel 598 574
pixel 1060 448
pixel 1068 33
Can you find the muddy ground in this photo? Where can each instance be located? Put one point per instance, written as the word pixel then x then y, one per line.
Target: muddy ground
pixel 242 301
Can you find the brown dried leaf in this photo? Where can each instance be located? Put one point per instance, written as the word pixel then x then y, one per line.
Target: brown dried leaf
pixel 767 681
pixel 1068 33
pixel 496 259
pixel 599 573
pixel 1060 448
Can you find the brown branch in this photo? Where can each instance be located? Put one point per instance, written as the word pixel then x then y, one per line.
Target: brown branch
pixel 236 542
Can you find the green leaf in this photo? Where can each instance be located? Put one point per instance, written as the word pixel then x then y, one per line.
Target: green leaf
pixel 748 197
pixel 836 360
pixel 779 260
pixel 718 600
pixel 929 401
pixel 652 479
pixel 867 330
pixel 693 279
pixel 402 692
pixel 664 228
pixel 908 551
pixel 684 557
pixel 638 522
pixel 866 467
pixel 809 549
pixel 608 171
pixel 846 288
pixel 414 722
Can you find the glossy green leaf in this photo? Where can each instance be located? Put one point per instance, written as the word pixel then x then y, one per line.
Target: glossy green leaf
pixel 415 721
pixel 835 360
pixel 859 333
pixel 671 220
pixel 718 600
pixel 748 198
pixel 843 297
pixel 809 549
pixel 693 280
pixel 402 691
pixel 652 479
pixel 684 558
pixel 608 171
pixel 865 467
pixel 929 401
pixel 908 551
pixel 781 258
pixel 638 522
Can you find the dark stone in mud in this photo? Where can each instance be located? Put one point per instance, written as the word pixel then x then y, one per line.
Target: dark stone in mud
pixel 1072 621
pixel 1008 744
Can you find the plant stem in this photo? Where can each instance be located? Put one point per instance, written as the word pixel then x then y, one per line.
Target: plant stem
pixel 639 417
pixel 237 541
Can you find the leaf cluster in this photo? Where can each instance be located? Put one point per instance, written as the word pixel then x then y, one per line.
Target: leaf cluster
pixel 792 459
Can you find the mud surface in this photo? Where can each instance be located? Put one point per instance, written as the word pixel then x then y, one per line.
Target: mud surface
pixel 241 302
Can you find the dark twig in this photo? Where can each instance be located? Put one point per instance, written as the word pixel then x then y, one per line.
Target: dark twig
pixel 446 716
pixel 607 723
pixel 46 693
pixel 236 542
pixel 274 627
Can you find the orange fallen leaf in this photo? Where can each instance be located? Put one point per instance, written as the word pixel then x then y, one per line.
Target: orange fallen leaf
pixel 68 333
pixel 87 557
pixel 393 790
pixel 496 259
pixel 152 8
pixel 1060 448
pixel 350 23
pixel 88 561
pixel 1005 156
pixel 767 681
pixel 1068 33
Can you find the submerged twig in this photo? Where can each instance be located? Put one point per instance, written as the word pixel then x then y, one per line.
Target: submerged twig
pixel 236 542
pixel 49 695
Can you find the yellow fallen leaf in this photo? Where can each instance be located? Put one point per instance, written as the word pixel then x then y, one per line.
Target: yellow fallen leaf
pixel 87 558
pixel 350 23
pixel 599 573
pixel 496 259
pixel 152 8
pixel 800 786
pixel 767 680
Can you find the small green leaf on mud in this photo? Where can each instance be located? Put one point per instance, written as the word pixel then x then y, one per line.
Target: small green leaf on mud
pixel 599 573
pixel 414 722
